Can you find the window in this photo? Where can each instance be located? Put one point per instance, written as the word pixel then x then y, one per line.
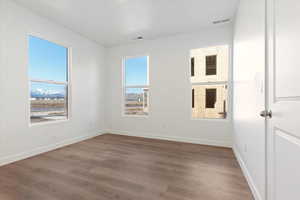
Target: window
pixel 211 65
pixel 209 83
pixel 192 66
pixel 48 74
pixel 210 98
pixel 136 86
pixel 193 98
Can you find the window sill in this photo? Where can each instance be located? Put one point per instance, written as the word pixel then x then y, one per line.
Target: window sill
pixel 135 116
pixel 48 123
pixel 211 119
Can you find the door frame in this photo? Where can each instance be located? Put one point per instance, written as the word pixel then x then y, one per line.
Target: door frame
pixel 269 62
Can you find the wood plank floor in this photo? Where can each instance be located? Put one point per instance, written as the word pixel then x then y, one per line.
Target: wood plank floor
pixel 118 167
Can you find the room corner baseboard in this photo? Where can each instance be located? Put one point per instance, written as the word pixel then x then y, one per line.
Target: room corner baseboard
pixel 246 173
pixel 172 138
pixel 13 158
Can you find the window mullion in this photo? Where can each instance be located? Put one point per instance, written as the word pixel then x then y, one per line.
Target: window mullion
pixel 210 83
pixel 137 86
pixel 49 82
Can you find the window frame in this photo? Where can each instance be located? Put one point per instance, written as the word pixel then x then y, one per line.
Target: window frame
pixel 66 83
pixel 124 87
pixel 228 83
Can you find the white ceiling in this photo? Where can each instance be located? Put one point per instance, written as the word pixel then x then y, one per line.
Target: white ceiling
pixel 113 22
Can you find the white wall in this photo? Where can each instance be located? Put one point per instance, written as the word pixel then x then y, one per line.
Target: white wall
pixel 17 139
pixel 249 94
pixel 170 90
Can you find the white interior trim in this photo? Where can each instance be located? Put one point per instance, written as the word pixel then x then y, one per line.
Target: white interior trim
pixel 247 175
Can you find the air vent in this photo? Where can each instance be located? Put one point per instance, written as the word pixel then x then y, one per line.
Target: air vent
pixel 221 21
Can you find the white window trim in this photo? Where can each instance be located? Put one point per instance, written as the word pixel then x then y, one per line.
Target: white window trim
pixel 68 82
pixel 228 83
pixel 49 82
pixel 124 87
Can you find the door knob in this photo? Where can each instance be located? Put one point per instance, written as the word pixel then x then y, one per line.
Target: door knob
pixel 266 113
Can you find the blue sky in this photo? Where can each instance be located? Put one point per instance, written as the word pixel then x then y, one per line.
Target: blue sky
pixel 136 71
pixel 47 61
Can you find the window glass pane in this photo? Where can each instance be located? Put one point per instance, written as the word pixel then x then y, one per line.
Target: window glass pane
pixel 210 98
pixel 136 101
pixel 193 98
pixel 192 66
pixel 210 64
pixel 47 60
pixel 136 71
pixel 48 102
pixel 210 101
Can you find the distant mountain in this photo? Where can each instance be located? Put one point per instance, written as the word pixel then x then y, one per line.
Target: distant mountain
pixel 40 93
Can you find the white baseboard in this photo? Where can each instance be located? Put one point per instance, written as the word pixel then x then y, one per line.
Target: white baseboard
pixel 172 138
pixel 13 158
pixel 246 173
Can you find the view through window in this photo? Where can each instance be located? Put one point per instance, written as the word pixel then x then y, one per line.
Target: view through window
pixel 48 73
pixel 209 79
pixel 136 86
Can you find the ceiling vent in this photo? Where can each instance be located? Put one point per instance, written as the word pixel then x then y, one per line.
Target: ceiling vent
pixel 221 21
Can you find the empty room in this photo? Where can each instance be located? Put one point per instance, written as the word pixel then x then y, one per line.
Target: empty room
pixel 149 100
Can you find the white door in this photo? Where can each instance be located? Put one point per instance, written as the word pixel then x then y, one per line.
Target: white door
pixel 284 100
